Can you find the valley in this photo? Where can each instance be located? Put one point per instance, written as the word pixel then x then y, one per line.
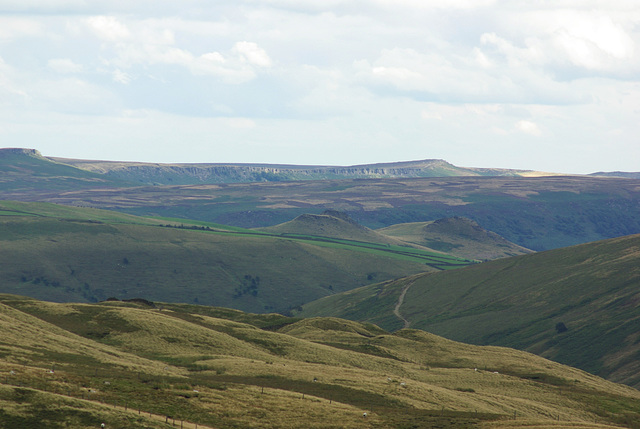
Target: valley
pixel 140 294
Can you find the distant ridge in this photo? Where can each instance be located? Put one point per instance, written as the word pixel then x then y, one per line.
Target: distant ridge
pixel 204 173
pixel 623 174
pixel 5 152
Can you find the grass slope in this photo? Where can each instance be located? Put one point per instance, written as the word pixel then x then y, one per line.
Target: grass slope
pixel 335 224
pixel 578 305
pixel 62 253
pixel 26 170
pixel 132 364
pixel 457 236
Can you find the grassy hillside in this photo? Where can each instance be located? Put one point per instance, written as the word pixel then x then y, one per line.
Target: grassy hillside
pixel 336 224
pixel 457 236
pixel 578 305
pixel 62 253
pixel 141 364
pixel 26 170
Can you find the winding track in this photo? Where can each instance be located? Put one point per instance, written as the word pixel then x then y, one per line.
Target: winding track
pixel 396 309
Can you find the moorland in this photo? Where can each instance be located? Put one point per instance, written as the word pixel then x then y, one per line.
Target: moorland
pixel 139 266
pixel 143 364
pixel 537 213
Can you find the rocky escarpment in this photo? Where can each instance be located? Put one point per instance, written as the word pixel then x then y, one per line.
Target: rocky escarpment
pixel 13 151
pixel 187 174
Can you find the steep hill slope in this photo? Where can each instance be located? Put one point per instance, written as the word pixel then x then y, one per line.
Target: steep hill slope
pixel 458 236
pixel 62 253
pixel 130 364
pixel 578 305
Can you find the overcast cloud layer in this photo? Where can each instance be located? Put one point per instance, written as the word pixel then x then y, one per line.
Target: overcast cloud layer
pixel 544 85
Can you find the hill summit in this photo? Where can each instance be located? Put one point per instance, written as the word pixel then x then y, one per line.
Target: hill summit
pixel 334 224
pixel 458 236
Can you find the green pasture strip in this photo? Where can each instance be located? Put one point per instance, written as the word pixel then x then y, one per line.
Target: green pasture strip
pixel 412 254
pixel 380 250
pixel 438 261
pixel 70 213
pixel 398 250
pixel 207 224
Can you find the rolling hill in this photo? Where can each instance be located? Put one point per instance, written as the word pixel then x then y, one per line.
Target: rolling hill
pixel 538 213
pixel 579 305
pixel 157 365
pixel 61 253
pixel 457 236
pixel 335 224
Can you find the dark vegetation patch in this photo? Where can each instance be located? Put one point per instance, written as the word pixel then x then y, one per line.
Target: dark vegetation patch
pixel 368 349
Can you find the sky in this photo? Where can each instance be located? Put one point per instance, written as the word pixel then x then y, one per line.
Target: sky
pixel 547 85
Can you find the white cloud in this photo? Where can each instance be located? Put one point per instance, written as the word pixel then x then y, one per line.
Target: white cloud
pixel 64 65
pixel 121 77
pixel 528 127
pixel 10 90
pixel 109 28
pixel 596 40
pixel 134 44
pixel 12 28
pixel 252 53
pixel 438 4
pixel 381 79
pixel 241 123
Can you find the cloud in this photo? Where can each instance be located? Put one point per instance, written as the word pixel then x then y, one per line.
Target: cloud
pixel 12 28
pixel 241 123
pixel 379 79
pixel 64 65
pixel 108 28
pixel 121 77
pixel 528 127
pixel 252 53
pixel 127 45
pixel 571 41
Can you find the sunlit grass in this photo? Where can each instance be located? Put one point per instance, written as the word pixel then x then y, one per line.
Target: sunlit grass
pixel 308 373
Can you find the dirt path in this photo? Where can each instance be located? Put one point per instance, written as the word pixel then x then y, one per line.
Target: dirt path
pixel 396 310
